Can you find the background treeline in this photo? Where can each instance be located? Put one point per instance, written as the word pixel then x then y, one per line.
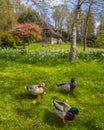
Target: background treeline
pixel 21 24
pixel 18 24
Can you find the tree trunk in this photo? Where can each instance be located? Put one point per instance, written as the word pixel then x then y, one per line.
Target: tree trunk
pixel 85 35
pixel 86 26
pixel 73 44
pixel 73 37
pixel 68 35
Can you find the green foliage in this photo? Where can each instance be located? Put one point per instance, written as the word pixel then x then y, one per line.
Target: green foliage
pixel 65 36
pixel 48 56
pixel 28 56
pixel 7 18
pixel 91 55
pixel 91 41
pixel 100 38
pixel 7 40
pixel 30 16
pixel 26 33
pixel 101 26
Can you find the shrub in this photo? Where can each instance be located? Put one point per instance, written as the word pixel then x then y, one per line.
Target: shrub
pixel 27 33
pixel 100 38
pixel 30 16
pixel 91 55
pixel 91 41
pixel 7 40
pixel 28 56
pixel 48 56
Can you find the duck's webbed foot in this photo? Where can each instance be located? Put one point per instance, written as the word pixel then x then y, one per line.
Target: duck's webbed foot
pixel 66 91
pixel 39 97
pixel 63 121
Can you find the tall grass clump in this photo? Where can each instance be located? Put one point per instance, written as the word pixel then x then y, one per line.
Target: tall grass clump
pixel 30 56
pixel 91 55
pixel 47 55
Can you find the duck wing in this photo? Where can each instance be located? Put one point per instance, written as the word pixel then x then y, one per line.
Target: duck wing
pixel 31 88
pixel 64 83
pixel 61 106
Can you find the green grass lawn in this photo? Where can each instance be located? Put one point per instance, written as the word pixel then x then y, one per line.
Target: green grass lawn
pixel 17 111
pixel 66 46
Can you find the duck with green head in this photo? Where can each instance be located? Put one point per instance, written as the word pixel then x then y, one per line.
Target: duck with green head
pixel 67 86
pixel 64 111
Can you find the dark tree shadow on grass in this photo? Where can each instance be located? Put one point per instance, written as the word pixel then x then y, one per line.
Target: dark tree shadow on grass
pixel 52 119
pixel 26 96
pixel 26 113
pixel 72 93
pixel 92 125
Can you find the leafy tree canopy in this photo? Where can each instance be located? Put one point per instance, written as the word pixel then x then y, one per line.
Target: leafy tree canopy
pixel 100 38
pixel 26 33
pixel 30 16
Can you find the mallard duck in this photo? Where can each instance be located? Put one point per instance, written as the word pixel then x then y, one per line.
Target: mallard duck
pixel 64 111
pixel 36 89
pixel 67 86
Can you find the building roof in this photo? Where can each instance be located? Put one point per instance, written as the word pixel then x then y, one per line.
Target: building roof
pixel 51 30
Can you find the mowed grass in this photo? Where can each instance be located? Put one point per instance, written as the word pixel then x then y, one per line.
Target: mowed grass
pixel 66 46
pixel 17 111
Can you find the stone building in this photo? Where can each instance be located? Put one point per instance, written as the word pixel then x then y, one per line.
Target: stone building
pixel 51 35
